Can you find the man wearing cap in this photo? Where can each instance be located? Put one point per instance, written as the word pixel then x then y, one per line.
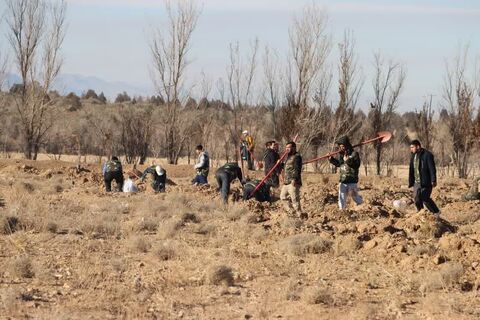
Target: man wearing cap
pixel 202 166
pixel 112 170
pixel 349 163
pixel 159 176
pixel 247 147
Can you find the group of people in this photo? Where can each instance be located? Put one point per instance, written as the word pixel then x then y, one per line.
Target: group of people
pixel 113 170
pixel 422 174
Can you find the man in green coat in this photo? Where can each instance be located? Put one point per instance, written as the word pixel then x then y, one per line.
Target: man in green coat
pixel 293 181
pixel 349 163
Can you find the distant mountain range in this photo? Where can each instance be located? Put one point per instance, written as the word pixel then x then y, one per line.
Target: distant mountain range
pixel 78 84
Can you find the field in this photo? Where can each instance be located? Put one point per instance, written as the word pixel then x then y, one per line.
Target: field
pixel 69 250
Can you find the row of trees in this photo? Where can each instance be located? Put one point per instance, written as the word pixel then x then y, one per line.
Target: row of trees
pixel 293 96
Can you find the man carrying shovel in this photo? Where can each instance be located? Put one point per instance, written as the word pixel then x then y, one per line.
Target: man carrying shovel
pixel 349 162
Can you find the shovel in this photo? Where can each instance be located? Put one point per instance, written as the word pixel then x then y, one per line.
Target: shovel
pixel 382 136
pixel 284 155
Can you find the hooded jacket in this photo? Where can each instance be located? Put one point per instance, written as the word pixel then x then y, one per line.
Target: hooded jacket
pixel 349 168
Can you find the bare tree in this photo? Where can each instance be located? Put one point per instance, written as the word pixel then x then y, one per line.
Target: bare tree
pixel 350 83
pixel 273 83
pixel 460 92
pixel 387 86
pixel 240 80
pixel 424 123
pixel 169 48
pixel 136 132
pixel 36 31
pixel 309 48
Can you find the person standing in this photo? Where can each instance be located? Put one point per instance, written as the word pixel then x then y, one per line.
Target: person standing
pixel 112 170
pixel 247 148
pixel 422 177
pixel 225 175
pixel 270 159
pixel 349 163
pixel 202 166
pixel 293 181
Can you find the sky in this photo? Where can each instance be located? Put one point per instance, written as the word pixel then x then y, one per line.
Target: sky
pixel 109 38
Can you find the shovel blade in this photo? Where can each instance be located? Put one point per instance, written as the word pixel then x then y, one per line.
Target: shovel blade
pixel 384 136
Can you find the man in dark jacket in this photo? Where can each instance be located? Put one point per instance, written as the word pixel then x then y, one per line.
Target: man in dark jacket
pixel 159 177
pixel 349 162
pixel 112 170
pixel 225 175
pixel 293 181
pixel 422 177
pixel 270 159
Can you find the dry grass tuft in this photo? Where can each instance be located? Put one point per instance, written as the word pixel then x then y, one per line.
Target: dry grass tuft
pixel 141 244
pixel 101 227
pixel 180 199
pixel 22 267
pixel 236 213
pixel 167 250
pixel 347 245
pixel 25 187
pixel 448 276
pixel 149 224
pixel 302 244
pixel 291 223
pixel 189 217
pixel 318 295
pixel 220 275
pixel 9 225
pixel 204 229
pixel 293 290
pixel 169 228
pixel 52 227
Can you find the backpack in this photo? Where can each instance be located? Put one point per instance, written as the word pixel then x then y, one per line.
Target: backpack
pixel 261 195
pixel 114 166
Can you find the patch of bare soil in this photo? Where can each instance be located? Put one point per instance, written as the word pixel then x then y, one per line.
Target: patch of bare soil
pixel 69 249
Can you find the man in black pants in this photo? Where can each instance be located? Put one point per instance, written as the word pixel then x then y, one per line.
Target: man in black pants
pixel 270 159
pixel 112 170
pixel 422 177
pixel 225 175
pixel 159 177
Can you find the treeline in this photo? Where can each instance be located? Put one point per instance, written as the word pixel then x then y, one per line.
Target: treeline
pixel 135 129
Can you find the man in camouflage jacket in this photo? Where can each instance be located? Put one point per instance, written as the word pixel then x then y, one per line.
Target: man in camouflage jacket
pixel 112 170
pixel 293 181
pixel 349 163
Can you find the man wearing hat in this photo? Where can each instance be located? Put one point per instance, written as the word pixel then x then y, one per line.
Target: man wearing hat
pixel 159 176
pixel 349 163
pixel 247 147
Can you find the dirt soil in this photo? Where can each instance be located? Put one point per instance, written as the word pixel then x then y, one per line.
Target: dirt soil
pixel 69 250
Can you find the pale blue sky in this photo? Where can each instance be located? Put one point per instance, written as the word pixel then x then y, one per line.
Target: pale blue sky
pixel 109 38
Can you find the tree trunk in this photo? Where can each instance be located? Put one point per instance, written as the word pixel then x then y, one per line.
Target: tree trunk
pixel 379 158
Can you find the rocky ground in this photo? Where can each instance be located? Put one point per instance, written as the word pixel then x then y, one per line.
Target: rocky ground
pixel 68 250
